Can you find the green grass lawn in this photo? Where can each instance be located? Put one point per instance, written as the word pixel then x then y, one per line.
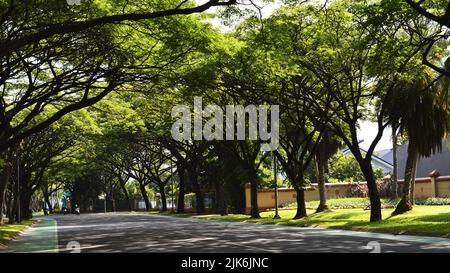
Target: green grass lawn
pixel 8 232
pixel 38 213
pixel 427 220
pixel 350 213
pixel 347 203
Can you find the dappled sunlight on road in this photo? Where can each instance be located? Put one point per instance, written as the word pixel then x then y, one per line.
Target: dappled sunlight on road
pixel 153 233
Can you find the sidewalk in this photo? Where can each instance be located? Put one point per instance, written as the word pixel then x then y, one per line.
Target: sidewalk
pixel 41 237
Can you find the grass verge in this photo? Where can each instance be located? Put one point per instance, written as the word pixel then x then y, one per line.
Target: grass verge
pixel 8 232
pixel 423 220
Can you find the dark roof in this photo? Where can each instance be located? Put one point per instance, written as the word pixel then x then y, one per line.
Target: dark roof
pixel 439 161
pixel 386 155
pixel 374 156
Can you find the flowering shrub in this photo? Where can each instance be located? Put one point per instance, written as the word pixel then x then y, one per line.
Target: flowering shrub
pixel 385 188
pixel 357 190
pixel 346 203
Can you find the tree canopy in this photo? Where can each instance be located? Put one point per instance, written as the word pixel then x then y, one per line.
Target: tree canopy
pixel 88 92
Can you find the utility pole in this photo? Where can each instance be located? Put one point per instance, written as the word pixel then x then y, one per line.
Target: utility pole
pixel 277 216
pixel 104 201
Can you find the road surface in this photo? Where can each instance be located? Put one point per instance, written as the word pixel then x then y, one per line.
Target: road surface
pixel 110 233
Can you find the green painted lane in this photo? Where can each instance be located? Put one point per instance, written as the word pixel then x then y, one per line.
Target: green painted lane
pixel 41 237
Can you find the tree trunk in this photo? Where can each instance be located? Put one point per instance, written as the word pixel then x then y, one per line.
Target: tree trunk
pixel 394 161
pixel 220 204
pixel 200 202
pixel 13 210
pixel 254 213
pixel 47 200
pixel 25 194
pixel 217 197
pixel 148 205
pixel 321 165
pixel 223 202
pixel 127 196
pixel 9 201
pixel 223 208
pixel 112 203
pixel 4 180
pixel 162 192
pixel 180 204
pixel 407 201
pixel 301 205
pixel 375 203
pixel 25 202
pixel 412 191
pixel 220 189
pixel 2 199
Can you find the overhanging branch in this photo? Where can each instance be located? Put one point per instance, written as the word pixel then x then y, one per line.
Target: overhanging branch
pixel 8 46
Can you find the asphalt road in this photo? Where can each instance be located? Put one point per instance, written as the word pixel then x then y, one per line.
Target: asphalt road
pixel 152 233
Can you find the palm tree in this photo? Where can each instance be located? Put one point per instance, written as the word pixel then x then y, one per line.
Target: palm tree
pixel 420 109
pixel 326 148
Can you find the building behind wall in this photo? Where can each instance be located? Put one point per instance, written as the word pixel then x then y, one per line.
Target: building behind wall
pixel 439 162
pixel 378 161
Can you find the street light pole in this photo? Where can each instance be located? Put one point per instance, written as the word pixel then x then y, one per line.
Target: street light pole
pixel 275 175
pixel 104 202
pixel 173 187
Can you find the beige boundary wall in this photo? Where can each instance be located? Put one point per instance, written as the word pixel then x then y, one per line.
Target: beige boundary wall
pixel 433 186
pixel 266 197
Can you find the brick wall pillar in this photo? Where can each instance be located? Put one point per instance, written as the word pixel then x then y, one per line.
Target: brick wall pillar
pixel 248 204
pixel 433 175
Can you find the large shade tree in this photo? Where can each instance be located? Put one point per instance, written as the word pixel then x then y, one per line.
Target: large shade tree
pixel 71 56
pixel 342 59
